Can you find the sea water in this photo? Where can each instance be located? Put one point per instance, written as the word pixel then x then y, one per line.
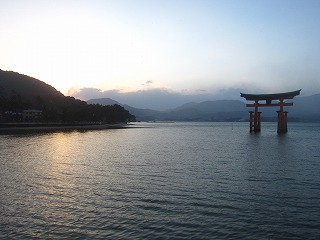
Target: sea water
pixel 162 181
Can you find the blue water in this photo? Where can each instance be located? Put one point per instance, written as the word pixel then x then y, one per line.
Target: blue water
pixel 162 181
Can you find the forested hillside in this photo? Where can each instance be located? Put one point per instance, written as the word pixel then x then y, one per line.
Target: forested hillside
pixel 20 92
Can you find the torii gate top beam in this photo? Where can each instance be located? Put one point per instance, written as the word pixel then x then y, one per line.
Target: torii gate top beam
pixel 270 97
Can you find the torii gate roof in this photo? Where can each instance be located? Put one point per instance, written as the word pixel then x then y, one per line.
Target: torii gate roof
pixel 273 96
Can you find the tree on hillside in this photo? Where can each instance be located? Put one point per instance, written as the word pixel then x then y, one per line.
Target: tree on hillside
pixel 19 92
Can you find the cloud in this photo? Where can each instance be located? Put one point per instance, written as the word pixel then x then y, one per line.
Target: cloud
pixel 85 93
pixel 148 83
pixel 157 98
pixel 164 99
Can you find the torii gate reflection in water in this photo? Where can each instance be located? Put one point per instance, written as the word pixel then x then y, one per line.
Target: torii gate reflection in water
pixel 255 118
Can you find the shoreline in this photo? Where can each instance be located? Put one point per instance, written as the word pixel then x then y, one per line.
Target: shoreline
pixel 13 128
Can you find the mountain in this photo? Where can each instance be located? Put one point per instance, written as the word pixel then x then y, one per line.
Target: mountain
pixel 306 108
pixel 103 101
pixel 12 82
pixel 303 109
pixel 19 93
pixel 144 114
pixel 215 106
pixel 219 110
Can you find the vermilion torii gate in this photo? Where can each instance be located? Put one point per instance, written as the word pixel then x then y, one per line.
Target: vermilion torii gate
pixel 255 119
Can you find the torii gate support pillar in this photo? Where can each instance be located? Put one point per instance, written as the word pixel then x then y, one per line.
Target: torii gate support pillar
pixel 251 120
pixel 255 121
pixel 282 122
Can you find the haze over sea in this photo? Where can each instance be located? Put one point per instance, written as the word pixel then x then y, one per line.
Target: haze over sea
pixel 162 181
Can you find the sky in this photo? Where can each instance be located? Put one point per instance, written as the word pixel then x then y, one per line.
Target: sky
pixel 179 46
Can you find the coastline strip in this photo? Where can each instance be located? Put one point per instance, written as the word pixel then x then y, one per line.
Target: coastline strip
pixel 13 128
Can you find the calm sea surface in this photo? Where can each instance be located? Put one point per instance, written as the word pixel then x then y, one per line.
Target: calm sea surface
pixel 162 181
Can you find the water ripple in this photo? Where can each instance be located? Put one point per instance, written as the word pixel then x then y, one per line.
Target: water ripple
pixel 191 181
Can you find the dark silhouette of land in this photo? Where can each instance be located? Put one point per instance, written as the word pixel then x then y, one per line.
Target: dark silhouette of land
pixel 26 99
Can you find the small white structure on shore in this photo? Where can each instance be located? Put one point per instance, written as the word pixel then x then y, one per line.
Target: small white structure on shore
pixel 32 115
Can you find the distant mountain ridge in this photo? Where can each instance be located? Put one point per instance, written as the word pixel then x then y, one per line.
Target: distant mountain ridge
pixel 217 105
pixel 219 110
pixel 303 109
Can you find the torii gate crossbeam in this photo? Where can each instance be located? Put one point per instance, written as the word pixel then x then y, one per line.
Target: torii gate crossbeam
pixel 255 118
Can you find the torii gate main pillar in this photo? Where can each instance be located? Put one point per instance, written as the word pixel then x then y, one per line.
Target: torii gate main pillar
pixel 255 116
pixel 282 122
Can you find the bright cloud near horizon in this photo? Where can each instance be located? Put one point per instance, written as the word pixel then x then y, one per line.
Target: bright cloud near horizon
pixel 179 45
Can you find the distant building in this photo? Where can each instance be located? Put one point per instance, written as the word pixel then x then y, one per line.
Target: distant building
pixel 11 116
pixel 32 115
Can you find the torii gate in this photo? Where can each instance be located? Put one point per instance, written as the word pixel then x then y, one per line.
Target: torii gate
pixel 255 119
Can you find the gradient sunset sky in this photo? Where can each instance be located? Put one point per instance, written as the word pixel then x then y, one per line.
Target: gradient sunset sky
pixel 183 46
